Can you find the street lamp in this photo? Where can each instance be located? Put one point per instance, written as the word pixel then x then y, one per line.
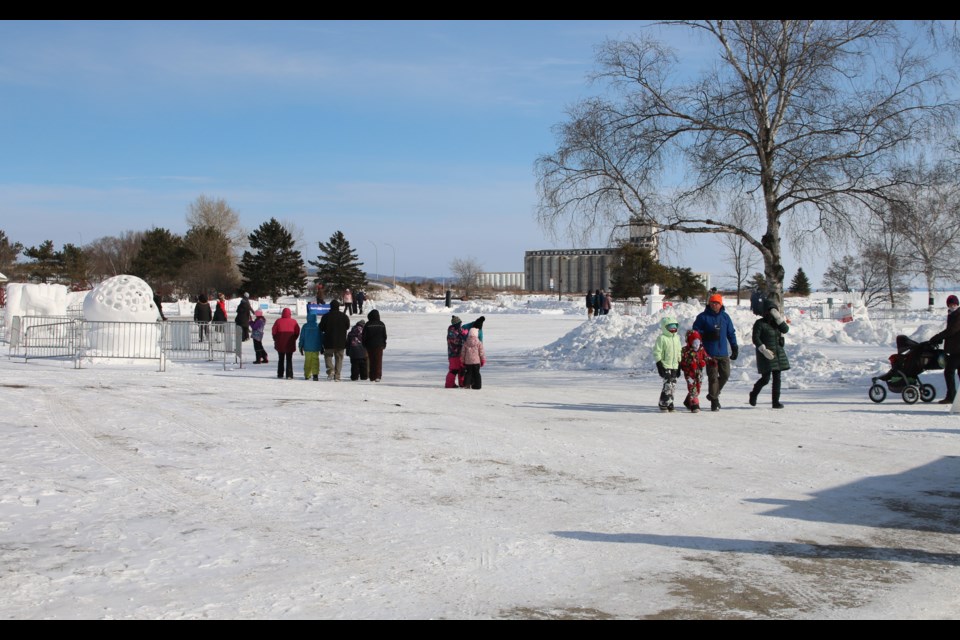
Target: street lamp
pixel 394 264
pixel 376 257
pixel 560 274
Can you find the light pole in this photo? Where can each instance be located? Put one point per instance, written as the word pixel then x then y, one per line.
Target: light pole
pixel 376 257
pixel 394 263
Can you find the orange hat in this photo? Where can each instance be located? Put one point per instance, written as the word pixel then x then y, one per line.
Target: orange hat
pixel 715 298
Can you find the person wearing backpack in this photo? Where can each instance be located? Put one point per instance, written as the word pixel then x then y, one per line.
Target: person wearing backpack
pixel 359 365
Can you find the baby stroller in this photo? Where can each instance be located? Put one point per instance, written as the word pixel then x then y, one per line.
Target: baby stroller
pixel 906 364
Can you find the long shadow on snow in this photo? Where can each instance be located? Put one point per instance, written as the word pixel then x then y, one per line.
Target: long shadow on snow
pixel 793 549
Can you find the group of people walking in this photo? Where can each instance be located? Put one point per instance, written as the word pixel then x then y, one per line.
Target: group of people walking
pixel 598 303
pixel 332 337
pixel 710 345
pixel 353 302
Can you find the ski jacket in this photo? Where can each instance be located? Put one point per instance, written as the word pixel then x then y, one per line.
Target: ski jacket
pixel 768 332
pixel 355 341
pixel 334 326
pixel 455 337
pixel 667 347
pixel 285 333
pixel 375 332
pixel 311 338
pixel 716 330
pixel 472 352
pixel 256 327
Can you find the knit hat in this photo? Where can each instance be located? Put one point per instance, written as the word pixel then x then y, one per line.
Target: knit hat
pixel 952 299
pixel 246 295
pixel 715 298
pixel 455 320
pixel 258 313
pixel 478 323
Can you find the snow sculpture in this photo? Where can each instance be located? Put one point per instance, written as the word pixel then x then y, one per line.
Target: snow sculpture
pixel 26 299
pixel 121 299
pixel 111 308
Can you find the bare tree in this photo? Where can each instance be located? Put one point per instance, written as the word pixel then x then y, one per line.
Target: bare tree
pixel 465 271
pixel 216 213
pixel 113 255
pixel 864 275
pixel 925 214
pixel 742 256
pixel 839 276
pixel 805 114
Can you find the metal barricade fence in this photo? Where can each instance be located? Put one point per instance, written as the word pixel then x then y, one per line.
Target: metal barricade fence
pixel 53 339
pixel 123 340
pixel 17 332
pixel 188 340
pixel 34 337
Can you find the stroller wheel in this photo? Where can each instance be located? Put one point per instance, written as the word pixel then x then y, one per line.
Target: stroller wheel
pixel 877 393
pixel 911 394
pixel 928 392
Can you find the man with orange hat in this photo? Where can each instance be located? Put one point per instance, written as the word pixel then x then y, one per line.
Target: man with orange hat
pixel 952 346
pixel 716 331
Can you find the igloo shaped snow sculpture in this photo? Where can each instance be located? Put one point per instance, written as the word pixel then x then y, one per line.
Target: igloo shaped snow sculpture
pixel 121 299
pixel 111 309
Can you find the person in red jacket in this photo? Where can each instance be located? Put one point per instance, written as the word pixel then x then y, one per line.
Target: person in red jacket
pixel 285 333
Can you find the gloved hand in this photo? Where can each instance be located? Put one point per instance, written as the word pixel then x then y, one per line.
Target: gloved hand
pixel 483 361
pixel 734 352
pixel 301 351
pixel 769 355
pixel 675 374
pixel 661 370
pixel 776 315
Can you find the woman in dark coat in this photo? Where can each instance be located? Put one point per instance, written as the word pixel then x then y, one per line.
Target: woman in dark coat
pixel 202 314
pixel 771 357
pixel 243 316
pixel 375 341
pixel 951 345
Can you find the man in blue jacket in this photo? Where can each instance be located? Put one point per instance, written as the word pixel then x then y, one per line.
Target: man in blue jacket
pixel 716 330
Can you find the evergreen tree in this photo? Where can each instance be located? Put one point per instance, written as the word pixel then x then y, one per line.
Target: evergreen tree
pixel 682 283
pixel 634 271
pixel 757 282
pixel 159 259
pixel 45 264
pixel 276 268
pixel 74 267
pixel 209 262
pixel 8 254
pixel 801 284
pixel 337 266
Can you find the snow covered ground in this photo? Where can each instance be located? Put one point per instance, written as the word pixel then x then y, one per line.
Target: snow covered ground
pixel 556 491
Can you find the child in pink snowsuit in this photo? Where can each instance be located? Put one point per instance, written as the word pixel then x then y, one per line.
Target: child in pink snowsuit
pixel 693 360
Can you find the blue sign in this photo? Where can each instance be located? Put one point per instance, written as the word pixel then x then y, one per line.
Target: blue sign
pixel 317 309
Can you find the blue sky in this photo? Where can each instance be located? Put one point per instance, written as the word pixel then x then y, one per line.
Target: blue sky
pixel 416 138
